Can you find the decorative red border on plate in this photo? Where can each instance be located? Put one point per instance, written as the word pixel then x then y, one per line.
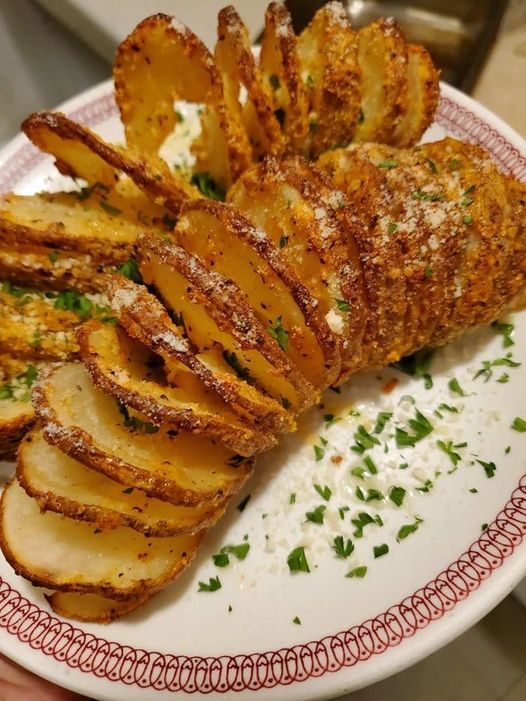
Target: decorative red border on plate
pixel 163 671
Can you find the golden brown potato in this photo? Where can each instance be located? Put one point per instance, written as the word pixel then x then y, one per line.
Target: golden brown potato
pixel 91 608
pixel 96 430
pixel 146 319
pixel 61 484
pixel 58 552
pixel 128 371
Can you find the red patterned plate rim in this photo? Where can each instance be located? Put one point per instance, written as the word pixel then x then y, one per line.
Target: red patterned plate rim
pixel 111 661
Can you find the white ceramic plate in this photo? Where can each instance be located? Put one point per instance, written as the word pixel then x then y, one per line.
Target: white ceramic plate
pixel 431 585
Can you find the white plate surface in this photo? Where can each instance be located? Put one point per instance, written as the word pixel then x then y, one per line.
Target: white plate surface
pixel 429 588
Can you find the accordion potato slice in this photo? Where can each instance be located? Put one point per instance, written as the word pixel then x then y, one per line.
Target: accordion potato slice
pixel 81 153
pixel 55 551
pixel 228 243
pixel 423 93
pixel 126 370
pixel 235 60
pixel 94 220
pixel 36 266
pixel 16 418
pixel 86 424
pixel 146 319
pixel 91 608
pixel 160 62
pixel 382 59
pixel 328 54
pixel 31 327
pixel 61 484
pixel 280 69
pixel 219 320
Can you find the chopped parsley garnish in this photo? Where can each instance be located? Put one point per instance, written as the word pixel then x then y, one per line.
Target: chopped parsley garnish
pixel 325 492
pixel 242 504
pixel 343 305
pixel 428 272
pixel 53 257
pixel 506 330
pixel 364 519
pixel 447 448
pixel 467 219
pixel 370 464
pixel 292 498
pixel 503 378
pixel 519 424
pixel 110 209
pixel 427 196
pixel 358 572
pixel 397 495
pixel 418 364
pixel 233 361
pixel 421 427
pixel 134 423
pixel 487 365
pixel 392 227
pixel 208 186
pixel 342 511
pixel 432 165
pixel 130 269
pixel 319 452
pixel 330 419
pixel 380 550
pixel 213 585
pixel 279 333
pixel 370 495
pixel 18 388
pixel 296 620
pixel 388 163
pixel 489 467
pixel 473 490
pixel 428 486
pixel 454 164
pixel 448 407
pixel 317 515
pixel 381 420
pixel 364 440
pixel 221 559
pixel 343 548
pixel 297 560
pixel 408 528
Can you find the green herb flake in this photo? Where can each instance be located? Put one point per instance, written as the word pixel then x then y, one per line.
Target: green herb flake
pixel 455 387
pixel 342 511
pixel 53 257
pixel 506 330
pixel 130 269
pixel 357 572
pixel 242 504
pixel 297 560
pixel 233 361
pixel 408 528
pixel 486 371
pixel 292 498
pixel 221 559
pixel 467 219
pixel 319 452
pixel 489 467
pixel 343 548
pixel 213 585
pixel 432 166
pixel 392 227
pixel 447 448
pixel 279 333
pixel 473 490
pixel 239 551
pixel 364 440
pixel 381 420
pixel 110 209
pixel 296 620
pixel 317 515
pixel 519 424
pixel 428 486
pixel 389 163
pixel 371 465
pixel 503 378
pixel 380 550
pixel 397 495
pixel 454 164
pixel 325 492
pixel 330 419
pixel 342 305
pixel 208 186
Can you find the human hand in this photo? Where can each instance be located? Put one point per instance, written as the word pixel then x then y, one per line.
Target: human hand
pixel 17 684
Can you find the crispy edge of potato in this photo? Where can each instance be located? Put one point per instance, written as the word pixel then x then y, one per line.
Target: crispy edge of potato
pixel 230 309
pixel 233 433
pixel 279 44
pixel 146 319
pixel 79 444
pixel 102 516
pixel 151 176
pixel 423 97
pixel 244 230
pixel 385 38
pixel 75 606
pixel 235 60
pixel 138 589
pixel 13 430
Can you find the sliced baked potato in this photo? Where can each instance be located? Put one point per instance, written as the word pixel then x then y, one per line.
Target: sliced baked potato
pixel 132 374
pixel 58 552
pixel 146 319
pixel 96 430
pixel 91 608
pixel 61 484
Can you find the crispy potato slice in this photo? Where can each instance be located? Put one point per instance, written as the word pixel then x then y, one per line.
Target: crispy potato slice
pixel 228 243
pixel 235 60
pixel 31 327
pixel 63 485
pixel 328 54
pixel 36 266
pixel 382 58
pixel 145 318
pixel 91 608
pixel 217 316
pixel 94 220
pixel 126 370
pixel 80 152
pixel 423 93
pixel 16 418
pixel 93 428
pixel 280 68
pixel 160 62
pixel 55 551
